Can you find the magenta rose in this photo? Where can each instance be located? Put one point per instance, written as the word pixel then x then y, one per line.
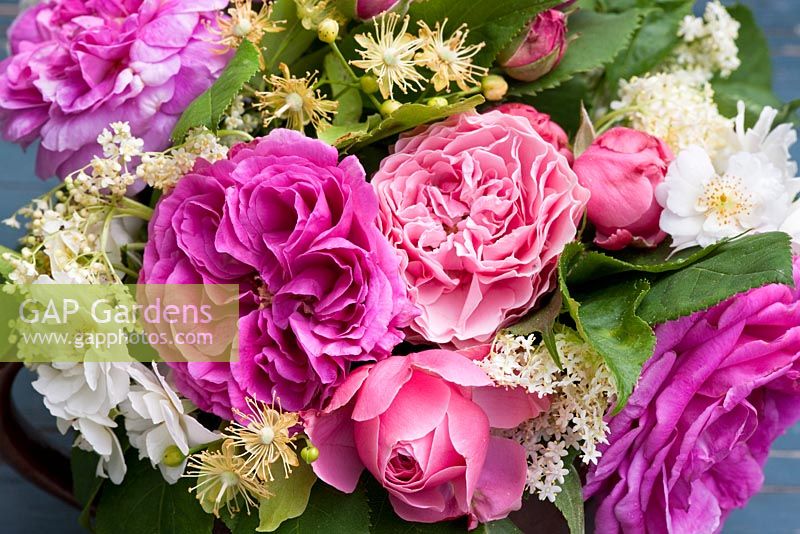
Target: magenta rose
pixel 78 65
pixel 367 9
pixel 420 425
pixel 320 285
pixel 539 50
pixel 690 445
pixel 479 207
pixel 549 130
pixel 622 168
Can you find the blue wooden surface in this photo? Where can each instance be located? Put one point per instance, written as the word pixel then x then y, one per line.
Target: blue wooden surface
pixel 25 509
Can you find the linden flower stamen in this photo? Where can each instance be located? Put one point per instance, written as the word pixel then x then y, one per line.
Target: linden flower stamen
pixel 265 439
pixel 449 59
pixel 390 56
pixel 243 23
pixel 295 101
pixel 312 12
pixel 221 480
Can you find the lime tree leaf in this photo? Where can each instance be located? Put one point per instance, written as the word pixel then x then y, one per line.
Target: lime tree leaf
pixel 330 510
pixel 566 262
pixel 756 67
pixel 346 134
pixel 348 97
pixel 788 113
pixel 290 44
pixel 145 504
pixel 562 103
pixel 652 44
pixel 541 322
pixel 570 500
pixel 208 108
pixel 591 265
pixel 406 117
pixel 289 500
pixel 735 267
pixel 728 93
pixel 85 482
pixel 609 323
pixel 242 522
pixel 599 37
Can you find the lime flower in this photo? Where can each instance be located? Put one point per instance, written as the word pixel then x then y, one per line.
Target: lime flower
pixel 313 12
pixel 450 59
pixel 390 55
pixel 222 481
pixel 295 100
pixel 243 23
pixel 266 438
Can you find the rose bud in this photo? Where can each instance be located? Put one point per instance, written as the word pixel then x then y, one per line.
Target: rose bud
pixel 535 53
pixel 367 9
pixel 622 168
pixel 549 130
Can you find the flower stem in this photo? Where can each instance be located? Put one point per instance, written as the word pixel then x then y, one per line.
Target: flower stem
pixel 349 69
pixel 235 133
pixel 128 206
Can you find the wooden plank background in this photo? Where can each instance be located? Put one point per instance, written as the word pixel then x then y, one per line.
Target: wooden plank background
pixel 25 509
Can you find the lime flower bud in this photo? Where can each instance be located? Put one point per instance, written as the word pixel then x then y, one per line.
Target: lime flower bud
pixel 494 87
pixel 173 457
pixel 389 107
pixel 438 102
pixel 309 454
pixel 328 30
pixel 369 84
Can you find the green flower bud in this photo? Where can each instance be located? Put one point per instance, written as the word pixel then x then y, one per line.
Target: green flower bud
pixel 328 30
pixel 173 457
pixel 438 102
pixel 494 87
pixel 369 84
pixel 389 107
pixel 309 454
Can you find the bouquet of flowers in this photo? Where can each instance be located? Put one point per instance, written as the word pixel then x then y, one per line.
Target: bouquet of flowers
pixel 484 256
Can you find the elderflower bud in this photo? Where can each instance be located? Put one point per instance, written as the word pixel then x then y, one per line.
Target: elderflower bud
pixel 328 30
pixel 369 84
pixel 494 87
pixel 389 107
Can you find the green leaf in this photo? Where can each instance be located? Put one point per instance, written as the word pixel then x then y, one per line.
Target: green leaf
pixel 208 108
pixel 586 134
pixel 600 37
pixel 788 113
pixel 570 500
pixel 541 322
pixel 145 504
pixel 756 67
pixel 728 93
pixel 330 510
pixel 85 482
pixel 652 44
pixel 349 98
pixel 406 117
pixel 609 323
pixel 591 265
pixel 563 103
pixel 503 526
pixel 289 45
pixel 290 498
pixel 734 267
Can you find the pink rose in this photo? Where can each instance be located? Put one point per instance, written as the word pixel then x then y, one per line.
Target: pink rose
pixel 690 445
pixel 622 169
pixel 420 425
pixel 549 130
pixel 539 50
pixel 367 9
pixel 479 207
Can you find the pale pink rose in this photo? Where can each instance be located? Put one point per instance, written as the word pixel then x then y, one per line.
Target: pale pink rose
pixel 549 130
pixel 479 207
pixel 420 425
pixel 622 168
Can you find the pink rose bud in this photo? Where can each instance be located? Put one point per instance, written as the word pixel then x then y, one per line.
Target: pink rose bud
pixel 622 168
pixel 537 52
pixel 549 130
pixel 367 9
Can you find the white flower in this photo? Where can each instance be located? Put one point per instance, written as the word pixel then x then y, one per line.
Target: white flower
pixel 703 206
pixel 156 419
pixel 709 43
pixel 82 396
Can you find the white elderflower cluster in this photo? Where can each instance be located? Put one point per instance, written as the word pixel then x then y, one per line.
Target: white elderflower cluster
pixel 238 119
pixel 163 170
pixel 709 43
pixel 580 393
pixel 677 107
pixel 107 176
